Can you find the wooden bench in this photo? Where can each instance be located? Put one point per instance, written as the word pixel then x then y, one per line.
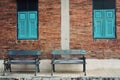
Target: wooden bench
pixel 22 57
pixel 68 57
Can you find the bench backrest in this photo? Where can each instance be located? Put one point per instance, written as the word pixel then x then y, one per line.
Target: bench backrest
pixel 24 52
pixel 66 52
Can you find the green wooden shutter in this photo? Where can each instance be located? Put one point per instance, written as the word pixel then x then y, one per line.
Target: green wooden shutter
pixel 32 23
pixel 110 23
pixel 98 24
pixel 22 25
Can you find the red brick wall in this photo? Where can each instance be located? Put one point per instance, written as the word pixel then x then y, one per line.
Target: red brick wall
pixel 50 26
pixel 81 31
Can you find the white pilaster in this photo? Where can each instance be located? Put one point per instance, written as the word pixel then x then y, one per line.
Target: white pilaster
pixel 65 24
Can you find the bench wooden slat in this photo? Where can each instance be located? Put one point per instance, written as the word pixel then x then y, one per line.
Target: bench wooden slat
pixel 68 62
pixel 24 52
pixel 56 52
pixel 22 62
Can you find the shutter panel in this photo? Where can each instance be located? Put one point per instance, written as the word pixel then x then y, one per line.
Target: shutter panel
pixel 110 23
pixel 32 22
pixel 22 25
pixel 98 24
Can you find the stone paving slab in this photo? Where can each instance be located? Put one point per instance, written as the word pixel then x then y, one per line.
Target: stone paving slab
pixel 65 78
pixel 8 79
pixel 94 73
pixel 81 78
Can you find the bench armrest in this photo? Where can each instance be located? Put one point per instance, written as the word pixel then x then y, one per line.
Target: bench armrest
pixel 37 59
pixel 6 59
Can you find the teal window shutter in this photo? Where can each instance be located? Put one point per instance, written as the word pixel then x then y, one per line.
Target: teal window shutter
pixel 104 19
pixel 27 23
pixel 104 23
pixel 110 23
pixel 22 25
pixel 32 23
pixel 98 24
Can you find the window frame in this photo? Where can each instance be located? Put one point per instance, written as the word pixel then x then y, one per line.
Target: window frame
pixel 37 22
pixel 93 22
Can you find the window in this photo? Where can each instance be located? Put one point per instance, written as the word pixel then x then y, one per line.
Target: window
pixel 104 19
pixel 27 28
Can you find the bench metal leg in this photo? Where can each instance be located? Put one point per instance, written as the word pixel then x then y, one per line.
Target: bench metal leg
pixel 84 65
pixel 5 68
pixel 38 69
pixel 53 67
pixel 10 67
